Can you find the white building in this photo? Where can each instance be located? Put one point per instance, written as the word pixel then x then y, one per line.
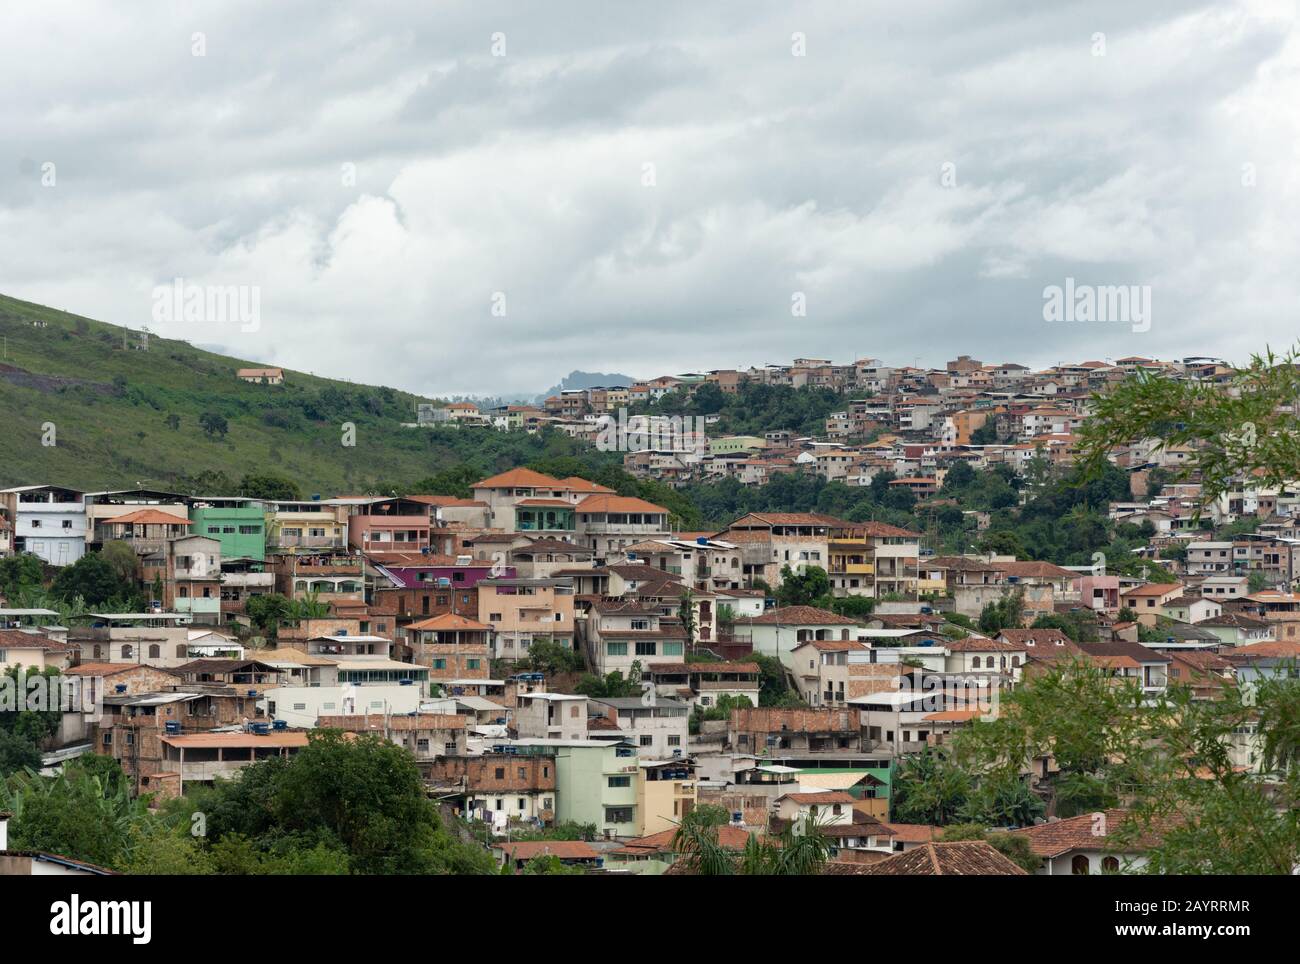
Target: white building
pixel 49 521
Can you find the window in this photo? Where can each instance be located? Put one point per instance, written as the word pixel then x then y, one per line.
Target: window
pixel 672 649
pixel 155 651
pixel 500 773
pixel 646 740
pixel 646 648
pixel 108 738
pixel 616 649
pixel 1110 865
pixel 674 741
pixel 1079 865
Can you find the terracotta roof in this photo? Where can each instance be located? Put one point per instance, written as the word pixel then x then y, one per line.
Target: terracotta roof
pixel 1123 648
pixel 729 837
pixel 519 479
pixel 575 484
pixel 1035 640
pixel 961 858
pixel 619 503
pixel 1088 831
pixel 798 615
pixel 974 644
pixel 1153 589
pixel 822 797
pixel 1274 649
pixel 17 639
pixel 832 645
pixel 148 517
pixel 789 519
pixel 111 669
pixel 563 849
pixel 449 621
pixel 236 741
pixel 1035 570
pixel 359 723
pixel 914 832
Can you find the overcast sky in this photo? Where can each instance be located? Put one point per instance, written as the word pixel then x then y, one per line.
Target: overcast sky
pixel 652 187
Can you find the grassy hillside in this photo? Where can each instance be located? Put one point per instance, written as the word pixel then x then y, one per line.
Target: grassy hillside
pixel 123 416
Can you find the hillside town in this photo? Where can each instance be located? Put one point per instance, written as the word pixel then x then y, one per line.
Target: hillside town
pixel 575 674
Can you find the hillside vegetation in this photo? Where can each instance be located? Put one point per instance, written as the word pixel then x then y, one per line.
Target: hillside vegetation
pixel 124 415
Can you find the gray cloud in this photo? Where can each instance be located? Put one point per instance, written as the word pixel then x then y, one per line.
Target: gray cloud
pixel 1168 162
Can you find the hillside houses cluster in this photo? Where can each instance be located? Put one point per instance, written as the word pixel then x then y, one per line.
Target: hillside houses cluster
pixel 912 422
pixel 425 606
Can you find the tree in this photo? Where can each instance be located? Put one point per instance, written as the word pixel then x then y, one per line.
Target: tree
pixel 1007 613
pixel 809 586
pixel 1245 425
pixel 17 754
pixel 929 788
pixel 272 488
pixel 213 423
pixel 94 579
pixel 266 610
pixel 122 559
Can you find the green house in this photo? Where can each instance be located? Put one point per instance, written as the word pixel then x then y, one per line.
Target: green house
pixel 238 524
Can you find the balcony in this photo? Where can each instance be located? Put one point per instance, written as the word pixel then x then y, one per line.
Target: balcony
pixel 306 542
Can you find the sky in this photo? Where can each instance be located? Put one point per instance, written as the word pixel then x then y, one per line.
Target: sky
pixel 477 197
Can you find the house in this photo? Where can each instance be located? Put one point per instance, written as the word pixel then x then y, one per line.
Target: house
pixel 1087 844
pixel 498 787
pixel 551 501
pixel 704 683
pixel 1192 609
pixel 778 632
pixel 1045 648
pixel 425 735
pixel 976 654
pixel 658 727
pixel 49 521
pixel 390 525
pixel 872 559
pixel 654 853
pixel 550 716
pixel 666 791
pixel 453 647
pixel 1238 629
pixel 204 757
pixel 522 611
pixel 572 853
pixel 622 634
pixel 771 540
pixel 32 650
pixel 1149 599
pixel 608 524
pixel 770 731
pixel 189 568
pixel 1148 668
pixel 596 783
pixel 821 670
pixel 239 525
pixel 261 376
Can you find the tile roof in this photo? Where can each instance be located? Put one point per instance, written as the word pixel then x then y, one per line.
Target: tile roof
pixel 619 503
pixel 798 616
pixel 449 621
pixel 563 849
pixel 1088 831
pixel 959 858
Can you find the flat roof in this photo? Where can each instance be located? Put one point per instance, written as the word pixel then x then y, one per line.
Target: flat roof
pixel 28 612
pixel 237 740
pixel 123 617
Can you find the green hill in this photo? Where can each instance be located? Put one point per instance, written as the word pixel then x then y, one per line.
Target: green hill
pixel 124 415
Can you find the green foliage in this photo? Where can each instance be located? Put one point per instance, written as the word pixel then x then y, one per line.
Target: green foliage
pixel 1245 425
pixel 94 579
pixel 78 814
pixel 809 586
pixel 929 788
pixel 550 657
pixel 774 687
pixel 17 753
pixel 1006 613
pixel 273 488
pixel 342 798
pixel 612 685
